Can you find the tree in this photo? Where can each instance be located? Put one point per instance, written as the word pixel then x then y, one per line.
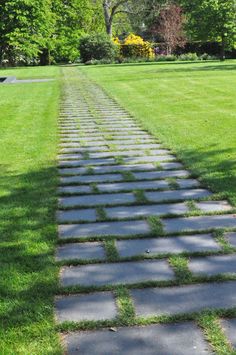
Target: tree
pixel 212 20
pixel 25 29
pixel 170 27
pixel 73 19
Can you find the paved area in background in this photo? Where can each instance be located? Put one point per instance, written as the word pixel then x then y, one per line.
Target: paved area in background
pixel 130 216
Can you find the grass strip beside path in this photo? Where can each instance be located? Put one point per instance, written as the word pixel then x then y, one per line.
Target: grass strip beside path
pixel 28 181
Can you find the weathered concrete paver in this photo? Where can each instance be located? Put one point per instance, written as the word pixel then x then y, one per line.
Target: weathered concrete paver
pixel 88 215
pixel 82 251
pixel 168 339
pixel 213 265
pixel 229 327
pixel 194 243
pixel 176 195
pixel 185 299
pixel 96 200
pixel 116 273
pixel 199 223
pixel 91 179
pixel 97 306
pixel 231 237
pixel 103 229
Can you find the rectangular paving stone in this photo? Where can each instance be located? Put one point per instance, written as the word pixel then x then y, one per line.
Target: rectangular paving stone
pixel 139 185
pixel 184 299
pixel 146 159
pixel 174 225
pixel 83 189
pixel 85 162
pixel 161 339
pixel 156 196
pixel 146 210
pixel 77 308
pixel 82 251
pixel 91 178
pixel 82 149
pixel 96 200
pixel 229 328
pixel 116 273
pixel 214 265
pixel 118 168
pixel 104 229
pixel 161 174
pixel 87 215
pixel 231 237
pixel 187 183
pixel 138 146
pixel 72 171
pixel 213 206
pixel 174 245
pixel 120 153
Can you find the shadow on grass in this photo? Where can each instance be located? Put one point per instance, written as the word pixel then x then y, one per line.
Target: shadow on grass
pixel 28 236
pixel 216 167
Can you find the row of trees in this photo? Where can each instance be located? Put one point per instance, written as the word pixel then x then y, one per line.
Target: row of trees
pixel 43 30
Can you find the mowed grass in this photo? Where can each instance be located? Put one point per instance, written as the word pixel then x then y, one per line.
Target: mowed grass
pixel 190 107
pixel 28 180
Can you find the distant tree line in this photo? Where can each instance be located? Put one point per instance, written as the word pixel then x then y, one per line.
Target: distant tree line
pixel 46 31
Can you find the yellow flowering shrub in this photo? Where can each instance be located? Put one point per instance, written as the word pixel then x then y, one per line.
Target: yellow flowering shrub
pixel 134 46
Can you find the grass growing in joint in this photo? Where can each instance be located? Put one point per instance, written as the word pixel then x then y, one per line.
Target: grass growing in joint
pixel 156 225
pixel 214 333
pixel 111 251
pixel 101 214
pixel 180 266
pixel 125 305
pixel 140 196
pixel 128 176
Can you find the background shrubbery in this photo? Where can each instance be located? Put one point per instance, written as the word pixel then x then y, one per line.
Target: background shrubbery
pixel 97 47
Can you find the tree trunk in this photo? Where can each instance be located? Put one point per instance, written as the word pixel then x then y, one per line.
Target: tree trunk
pixel 44 57
pixel 222 52
pixel 107 17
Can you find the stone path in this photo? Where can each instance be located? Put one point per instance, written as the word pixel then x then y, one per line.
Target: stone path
pixel 139 238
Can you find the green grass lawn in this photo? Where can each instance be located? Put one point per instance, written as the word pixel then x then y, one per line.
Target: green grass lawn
pixel 28 180
pixel 190 107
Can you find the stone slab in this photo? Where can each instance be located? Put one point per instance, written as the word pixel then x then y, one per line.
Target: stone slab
pixel 92 162
pixel 139 185
pixel 231 237
pixel 229 328
pixel 188 183
pixel 174 245
pixel 175 225
pixel 122 168
pixel 213 265
pixel 161 339
pixel 213 206
pixel 156 196
pixel 138 146
pixel 87 215
pixel 151 175
pixel 96 200
pixel 72 171
pixel 97 306
pixel 88 179
pixel 82 149
pixel 104 229
pixel 146 159
pixel 185 299
pixel 146 210
pixel 83 189
pixel 116 273
pixel 120 153
pixel 81 251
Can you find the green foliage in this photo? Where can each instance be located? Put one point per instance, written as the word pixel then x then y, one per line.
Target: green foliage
pixel 25 29
pixel 73 19
pixel 97 46
pixel 212 20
